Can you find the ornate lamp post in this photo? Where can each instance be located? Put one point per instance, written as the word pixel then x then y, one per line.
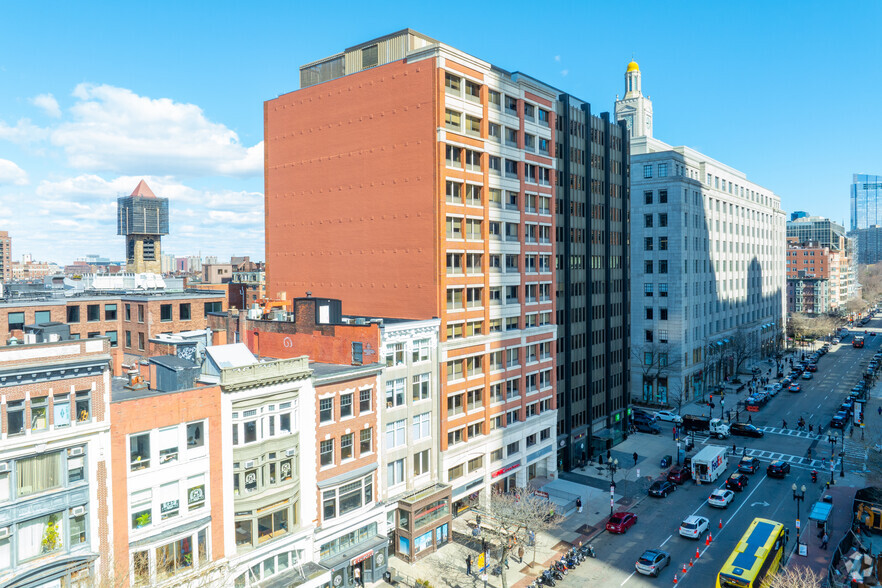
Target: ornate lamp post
pixel 798 497
pixel 612 465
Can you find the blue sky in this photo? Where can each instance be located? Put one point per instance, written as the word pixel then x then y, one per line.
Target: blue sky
pixel 95 96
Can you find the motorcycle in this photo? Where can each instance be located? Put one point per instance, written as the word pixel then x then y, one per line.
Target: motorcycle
pixel 588 551
pixel 576 555
pixel 563 567
pixel 814 476
pixel 558 575
pixel 571 561
pixel 547 578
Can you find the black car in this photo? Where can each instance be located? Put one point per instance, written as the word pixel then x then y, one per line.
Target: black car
pixel 748 465
pixel 647 427
pixel 838 421
pixel 778 469
pixel 661 488
pixel 737 482
pixel 745 430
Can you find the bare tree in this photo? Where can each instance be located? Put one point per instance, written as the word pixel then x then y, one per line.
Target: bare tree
pixel 655 361
pixel 794 576
pixel 742 346
pixel 515 517
pixel 115 573
pixel 677 395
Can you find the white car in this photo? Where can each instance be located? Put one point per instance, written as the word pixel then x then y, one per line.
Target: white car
pixel 835 341
pixel 693 526
pixel 721 498
pixel 669 416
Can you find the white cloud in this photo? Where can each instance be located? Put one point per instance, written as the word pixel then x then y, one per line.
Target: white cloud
pixel 564 72
pixel 557 57
pixel 115 129
pixel 48 104
pixel 10 173
pixel 23 132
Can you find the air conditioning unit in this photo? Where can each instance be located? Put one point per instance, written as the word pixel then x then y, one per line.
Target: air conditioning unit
pixel 4 532
pixel 75 451
pixel 290 452
pixel 78 510
pixel 4 467
pixel 249 463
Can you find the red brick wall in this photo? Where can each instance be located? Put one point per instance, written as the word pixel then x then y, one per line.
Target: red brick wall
pixel 350 198
pixel 164 410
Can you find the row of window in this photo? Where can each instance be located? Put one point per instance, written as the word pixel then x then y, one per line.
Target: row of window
pixel 475 328
pixel 463 433
pixel 36 474
pixel 460 87
pixel 40 413
pixel 395 352
pixel 346 408
pixel 58 532
pixel 268 471
pixel 151 566
pixel 16 320
pixel 164 446
pixel 266 422
pixel 255 529
pixel 510 450
pixel 328 456
pixel 533 174
pixel 167 501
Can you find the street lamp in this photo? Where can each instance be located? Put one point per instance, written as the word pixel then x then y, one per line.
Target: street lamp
pixel 798 497
pixel 842 455
pixel 613 465
pixel 832 440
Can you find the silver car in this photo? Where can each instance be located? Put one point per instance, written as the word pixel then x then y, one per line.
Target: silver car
pixel 652 562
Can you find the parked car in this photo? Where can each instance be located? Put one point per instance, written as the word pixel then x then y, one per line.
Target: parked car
pixel 721 498
pixel 679 474
pixel 807 375
pixel 835 341
pixel 748 465
pixel 737 481
pixel 778 469
pixel 745 430
pixel 668 416
pixel 794 387
pixel 812 368
pixel 620 522
pixel 652 562
pixel 838 421
pixel 646 427
pixel 693 526
pixel 661 488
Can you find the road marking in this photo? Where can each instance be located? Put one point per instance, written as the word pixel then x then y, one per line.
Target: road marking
pixel 745 500
pixel 668 539
pixel 628 578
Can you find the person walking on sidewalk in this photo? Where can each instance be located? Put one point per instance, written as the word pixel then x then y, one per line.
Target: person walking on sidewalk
pixel 469 565
pixel 824 540
pixel 579 504
pixel 635 456
pixel 521 548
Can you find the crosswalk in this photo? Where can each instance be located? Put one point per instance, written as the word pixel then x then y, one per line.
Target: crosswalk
pixel 795 461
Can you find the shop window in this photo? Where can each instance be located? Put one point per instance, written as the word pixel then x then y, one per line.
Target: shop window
pixel 174 558
pixel 272 526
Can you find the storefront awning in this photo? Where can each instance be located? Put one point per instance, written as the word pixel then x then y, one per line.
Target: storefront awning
pixel 298 575
pixel 371 545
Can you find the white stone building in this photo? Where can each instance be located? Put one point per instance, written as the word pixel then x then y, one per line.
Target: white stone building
pixel 708 257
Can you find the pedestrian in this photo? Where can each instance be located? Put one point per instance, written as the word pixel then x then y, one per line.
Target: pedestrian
pixel 521 550
pixel 810 427
pixel 356 575
pixel 608 455
pixel 531 539
pixel 674 433
pixel 750 419
pixel 733 449
pixel 810 453
pixel 635 458
pixel 579 504
pixel 469 565
pixel 880 410
pixel 478 520
pixel 783 424
pixel 824 540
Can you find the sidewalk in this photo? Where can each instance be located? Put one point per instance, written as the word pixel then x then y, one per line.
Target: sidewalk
pixel 817 559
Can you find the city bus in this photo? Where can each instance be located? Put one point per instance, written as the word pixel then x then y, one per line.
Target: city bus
pixel 757 555
pixel 858 341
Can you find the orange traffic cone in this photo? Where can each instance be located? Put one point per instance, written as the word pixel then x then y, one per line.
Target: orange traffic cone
pixel 684 568
pixel 675 578
pixel 697 555
pixel 710 538
pixel 707 540
pixel 691 561
pixel 721 523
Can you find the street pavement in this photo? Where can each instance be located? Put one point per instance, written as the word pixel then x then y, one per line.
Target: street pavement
pixel 659 518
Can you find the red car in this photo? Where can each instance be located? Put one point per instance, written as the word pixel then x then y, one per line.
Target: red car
pixel 679 475
pixel 621 522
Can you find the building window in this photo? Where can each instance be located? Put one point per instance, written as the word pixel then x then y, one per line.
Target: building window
pixel 647 289
pixel 184 311
pixel 40 536
pixel 663 196
pixel 422 426
pixel 165 312
pixel 663 170
pixel 326 410
pixel 396 434
pixel 42 316
pixel 73 314
pixel 370 56
pixel 452 120
pixel 395 354
pixel 38 473
pixel 141 341
pixel 139 451
pixel 112 336
pixel 647 171
pixel 395 392
pixel 395 472
pixel 326 450
pixel 15 417
pixel 455 472
pixel 128 312
pixel 93 312
pixel 421 463
pixel 346 446
pixel 110 312
pixel 454 437
pixel 196 435
pixel 357 353
pixel 365 441
pixel 39 413
pixel 128 339
pixel 364 401
pixel 345 405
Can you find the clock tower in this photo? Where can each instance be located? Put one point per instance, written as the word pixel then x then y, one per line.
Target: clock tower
pixel 634 108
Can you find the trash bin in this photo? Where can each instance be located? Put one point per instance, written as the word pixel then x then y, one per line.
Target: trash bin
pixel 666 461
pixel 387 576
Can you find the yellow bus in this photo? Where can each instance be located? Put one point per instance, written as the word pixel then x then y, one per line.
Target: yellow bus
pixel 757 555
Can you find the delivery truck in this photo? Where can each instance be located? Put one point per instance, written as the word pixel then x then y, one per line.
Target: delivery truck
pixel 709 464
pixel 699 423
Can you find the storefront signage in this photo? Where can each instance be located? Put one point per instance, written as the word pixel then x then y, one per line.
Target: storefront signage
pixel 196 495
pixel 169 506
pixel 361 558
pixel 506 469
pixel 541 493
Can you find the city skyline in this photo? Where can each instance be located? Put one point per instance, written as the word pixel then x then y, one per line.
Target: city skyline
pixel 105 99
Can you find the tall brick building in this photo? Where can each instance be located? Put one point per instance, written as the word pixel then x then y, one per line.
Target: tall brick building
pixel 413 180
pixel 5 257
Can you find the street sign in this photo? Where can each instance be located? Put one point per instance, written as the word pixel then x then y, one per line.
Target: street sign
pixel 803 549
pixel 797 523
